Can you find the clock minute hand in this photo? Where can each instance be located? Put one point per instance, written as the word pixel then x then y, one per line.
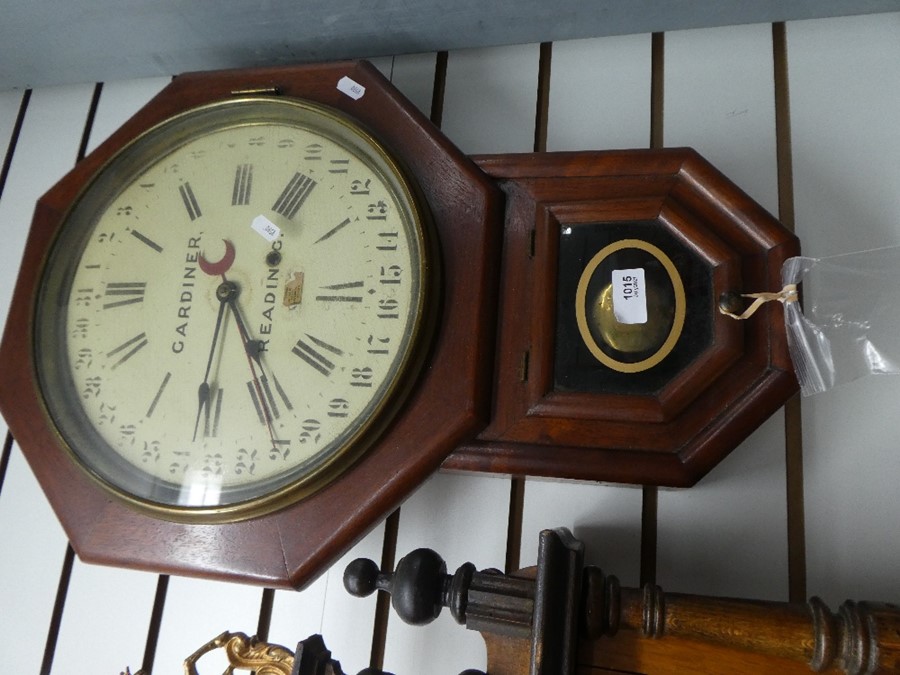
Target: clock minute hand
pixel 224 293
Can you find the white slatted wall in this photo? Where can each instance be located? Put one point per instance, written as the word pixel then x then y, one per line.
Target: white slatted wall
pixel 728 535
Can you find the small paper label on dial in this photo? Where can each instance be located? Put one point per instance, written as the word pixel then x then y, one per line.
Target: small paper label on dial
pixel 266 228
pixel 629 296
pixel 352 88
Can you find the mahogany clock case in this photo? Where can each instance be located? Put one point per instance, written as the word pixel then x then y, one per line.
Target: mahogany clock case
pixel 448 403
pixel 488 397
pixel 662 425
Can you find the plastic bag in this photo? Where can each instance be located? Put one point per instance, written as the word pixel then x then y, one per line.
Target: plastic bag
pixel 849 322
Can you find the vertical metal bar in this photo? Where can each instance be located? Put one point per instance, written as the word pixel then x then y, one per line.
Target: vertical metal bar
pixel 793 423
pixel 383 601
pixel 266 603
pixel 649 527
pixel 517 483
pixel 4 458
pixel 650 494
pixel 440 84
pixel 514 524
pixel 657 89
pixel 14 139
pixel 4 173
pixel 156 615
pixel 784 160
pixel 89 122
pixel 65 575
pixel 392 523
pixel 542 112
pixel 59 605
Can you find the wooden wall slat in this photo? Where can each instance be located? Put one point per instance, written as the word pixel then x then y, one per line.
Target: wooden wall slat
pixel 325 608
pixel 793 409
pixel 31 561
pixel 719 99
pixel 103 602
pixel 489 105
pixel 46 148
pixel 728 534
pixel 83 627
pixel 606 518
pixel 118 102
pixel 845 90
pixel 464 519
pixel 29 565
pixel 13 105
pixel 490 99
pixel 600 94
pixel 414 75
pixel 196 612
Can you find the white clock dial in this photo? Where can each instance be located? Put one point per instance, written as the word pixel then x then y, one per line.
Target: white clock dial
pixel 234 308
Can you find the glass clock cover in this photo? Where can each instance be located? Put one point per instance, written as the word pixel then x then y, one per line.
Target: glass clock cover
pixel 233 308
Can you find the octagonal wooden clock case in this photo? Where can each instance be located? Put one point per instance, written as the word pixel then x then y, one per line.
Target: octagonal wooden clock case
pixel 251 322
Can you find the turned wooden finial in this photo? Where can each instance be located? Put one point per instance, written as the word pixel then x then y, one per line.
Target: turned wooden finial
pixel 420 586
pixel 539 611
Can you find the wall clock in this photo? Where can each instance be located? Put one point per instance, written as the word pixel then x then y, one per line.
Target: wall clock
pixel 655 398
pixel 188 287
pixel 172 294
pixel 272 303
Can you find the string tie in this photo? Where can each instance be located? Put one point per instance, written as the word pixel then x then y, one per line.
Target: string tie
pixel 784 296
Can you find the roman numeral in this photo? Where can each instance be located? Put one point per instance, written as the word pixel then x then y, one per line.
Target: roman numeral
pixel 339 165
pixel 218 413
pixel 281 393
pixel 341 297
pixel 313 151
pixel 267 391
pixel 315 358
pixel 243 180
pixel 159 393
pixel 142 238
pixel 190 201
pixel 132 346
pixel 131 292
pixel 267 408
pixel 293 195
pixel 263 413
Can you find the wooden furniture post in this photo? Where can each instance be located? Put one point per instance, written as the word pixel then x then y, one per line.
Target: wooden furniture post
pixel 561 618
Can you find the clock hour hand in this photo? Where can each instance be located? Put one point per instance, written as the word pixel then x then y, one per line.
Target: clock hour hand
pixel 224 293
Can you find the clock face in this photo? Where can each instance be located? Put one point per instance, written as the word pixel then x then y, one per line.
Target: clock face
pixel 234 308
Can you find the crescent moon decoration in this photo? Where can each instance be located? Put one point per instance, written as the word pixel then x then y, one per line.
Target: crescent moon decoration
pixel 221 266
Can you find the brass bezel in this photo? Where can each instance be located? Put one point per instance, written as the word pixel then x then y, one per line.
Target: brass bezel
pixel 147 149
pixel 678 319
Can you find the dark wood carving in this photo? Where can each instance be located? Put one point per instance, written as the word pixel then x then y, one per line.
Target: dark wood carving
pixel 577 620
pixel 672 436
pixel 450 401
